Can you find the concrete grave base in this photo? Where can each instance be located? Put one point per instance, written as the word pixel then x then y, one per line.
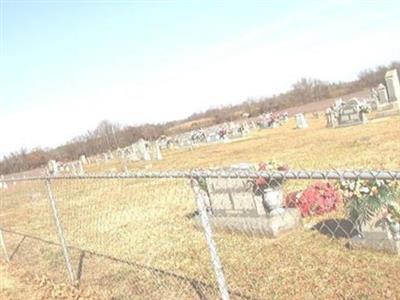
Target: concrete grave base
pixel 388 113
pixel 377 241
pixel 388 106
pixel 388 109
pixel 259 225
pixel 349 124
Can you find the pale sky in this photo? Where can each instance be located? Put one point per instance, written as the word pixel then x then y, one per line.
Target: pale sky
pixel 67 65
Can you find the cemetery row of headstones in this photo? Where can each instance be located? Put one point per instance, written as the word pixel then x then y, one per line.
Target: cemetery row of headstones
pixel 224 132
pixel 141 150
pixel 146 151
pixel 388 95
pixel 218 133
pixel 272 120
pixel 74 168
pixel 352 112
pixel 385 99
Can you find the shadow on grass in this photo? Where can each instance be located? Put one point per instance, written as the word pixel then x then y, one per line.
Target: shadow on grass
pixel 337 228
pixel 200 288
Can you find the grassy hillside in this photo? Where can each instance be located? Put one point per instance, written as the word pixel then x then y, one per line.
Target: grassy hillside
pixel 147 223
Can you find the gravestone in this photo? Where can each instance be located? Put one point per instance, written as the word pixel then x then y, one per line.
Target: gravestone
pixel 376 235
pixel 81 171
pixel 213 137
pixel 331 118
pixel 110 155
pixel 155 152
pixel 393 85
pixel 105 156
pixel 132 156
pixel 232 197
pixel 83 159
pixel 52 166
pixel 73 168
pixel 338 104
pixel 120 153
pixel 388 104
pixel 351 114
pixel 143 150
pixel 3 184
pixel 301 121
pixel 382 94
pixel 233 206
pixel 373 103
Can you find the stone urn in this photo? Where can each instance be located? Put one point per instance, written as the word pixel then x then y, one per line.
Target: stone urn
pixel 272 200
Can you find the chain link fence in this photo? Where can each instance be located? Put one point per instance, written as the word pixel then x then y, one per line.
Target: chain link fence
pixel 230 234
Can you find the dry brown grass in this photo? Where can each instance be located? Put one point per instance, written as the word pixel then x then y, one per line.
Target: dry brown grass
pixel 374 145
pixel 147 222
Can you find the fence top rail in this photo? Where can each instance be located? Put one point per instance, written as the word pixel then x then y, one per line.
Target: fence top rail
pixel 292 174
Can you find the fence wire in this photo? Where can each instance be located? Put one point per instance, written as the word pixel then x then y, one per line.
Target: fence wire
pixel 230 234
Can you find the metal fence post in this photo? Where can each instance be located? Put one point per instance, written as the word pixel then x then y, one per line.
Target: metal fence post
pixel 60 232
pixel 212 246
pixel 3 246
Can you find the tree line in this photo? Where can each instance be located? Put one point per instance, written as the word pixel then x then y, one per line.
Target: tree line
pixel 109 135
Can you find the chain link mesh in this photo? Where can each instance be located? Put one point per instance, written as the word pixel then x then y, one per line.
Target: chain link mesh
pixel 210 234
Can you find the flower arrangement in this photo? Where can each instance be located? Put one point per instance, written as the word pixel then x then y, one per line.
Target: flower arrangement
pixel 261 184
pixel 270 189
pixel 316 199
pixel 365 108
pixel 364 199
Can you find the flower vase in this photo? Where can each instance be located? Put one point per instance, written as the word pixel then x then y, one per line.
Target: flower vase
pixel 273 201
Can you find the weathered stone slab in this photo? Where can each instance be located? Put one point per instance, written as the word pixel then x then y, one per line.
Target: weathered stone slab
pixel 260 225
pixel 301 121
pixel 350 114
pixel 376 235
pixel 393 85
pixel 233 197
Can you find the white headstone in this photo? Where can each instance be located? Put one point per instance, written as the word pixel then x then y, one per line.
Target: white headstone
pixel 105 156
pixel 110 155
pixel 144 152
pixel 393 85
pixel 382 94
pixel 81 171
pixel 83 159
pixel 301 121
pixel 52 167
pixel 3 184
pixel 158 152
pixel 73 168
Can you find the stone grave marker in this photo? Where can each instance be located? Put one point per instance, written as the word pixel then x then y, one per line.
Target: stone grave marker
pixel 133 154
pixel 81 171
pixel 331 118
pixel 350 114
pixel 233 206
pixel 110 155
pixel 3 184
pixel 393 85
pixel 376 235
pixel 301 121
pixel 83 159
pixel 382 94
pixel 105 156
pixel 143 150
pixel 232 197
pixel 52 166
pixel 158 152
